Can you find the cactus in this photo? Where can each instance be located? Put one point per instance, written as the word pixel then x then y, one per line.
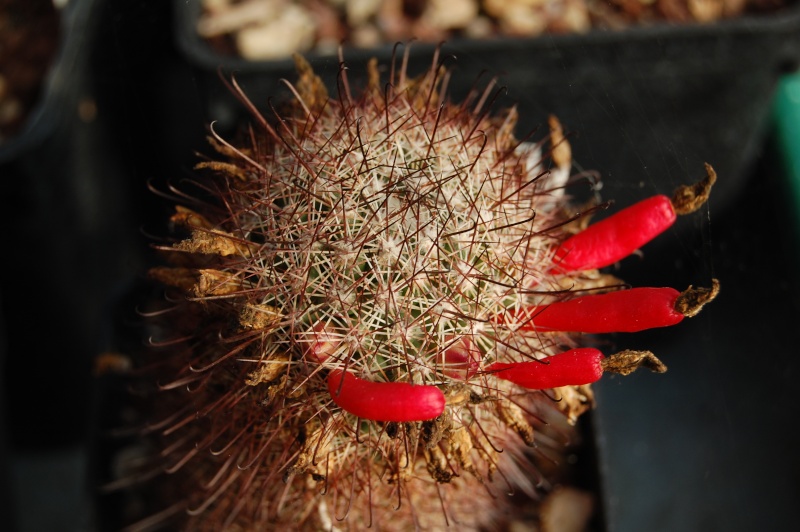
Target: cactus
pixel 346 278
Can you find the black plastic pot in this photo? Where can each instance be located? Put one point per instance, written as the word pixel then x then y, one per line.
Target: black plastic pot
pixel 68 251
pixel 646 106
pixel 58 85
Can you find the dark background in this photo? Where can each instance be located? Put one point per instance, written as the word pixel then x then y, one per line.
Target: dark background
pixel 708 446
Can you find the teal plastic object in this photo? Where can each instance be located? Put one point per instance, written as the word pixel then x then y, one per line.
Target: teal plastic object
pixel 786 119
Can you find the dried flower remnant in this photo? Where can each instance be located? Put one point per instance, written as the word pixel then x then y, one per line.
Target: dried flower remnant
pixel 351 338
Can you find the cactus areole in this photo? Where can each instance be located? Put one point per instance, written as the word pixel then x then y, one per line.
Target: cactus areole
pixel 350 337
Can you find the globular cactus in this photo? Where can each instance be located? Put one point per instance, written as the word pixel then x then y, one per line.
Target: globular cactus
pixel 351 337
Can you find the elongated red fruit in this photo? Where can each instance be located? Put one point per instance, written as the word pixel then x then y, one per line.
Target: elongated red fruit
pixel 614 238
pixel 631 310
pixel 570 368
pixel 385 401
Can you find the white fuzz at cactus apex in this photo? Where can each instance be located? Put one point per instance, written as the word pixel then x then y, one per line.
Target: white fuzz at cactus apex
pixel 336 300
